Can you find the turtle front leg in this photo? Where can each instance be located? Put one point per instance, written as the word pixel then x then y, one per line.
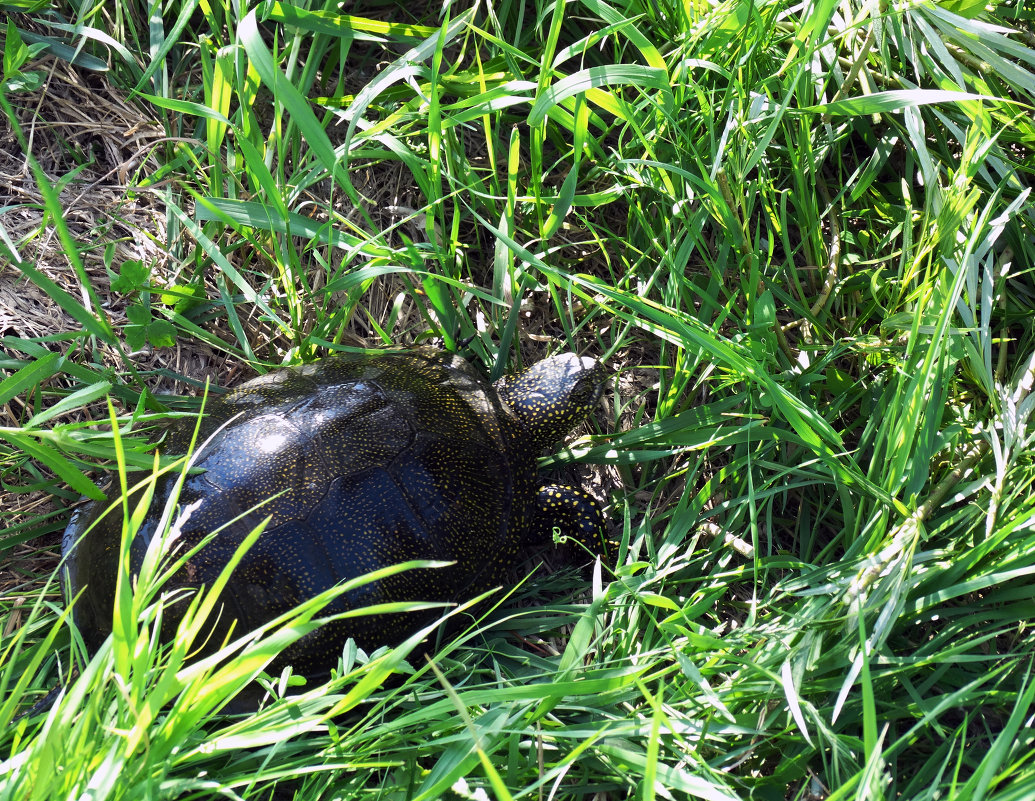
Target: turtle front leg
pixel 575 513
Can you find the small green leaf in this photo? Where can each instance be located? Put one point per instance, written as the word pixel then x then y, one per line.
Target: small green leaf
pixel 23 82
pixel 139 314
pixel 839 382
pixel 132 277
pixel 15 51
pixel 161 334
pixel 660 601
pixel 136 337
pixel 182 297
pixel 765 311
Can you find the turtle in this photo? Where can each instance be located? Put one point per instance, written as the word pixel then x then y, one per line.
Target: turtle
pixel 360 461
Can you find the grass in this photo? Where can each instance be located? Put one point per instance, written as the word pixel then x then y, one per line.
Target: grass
pixel 802 237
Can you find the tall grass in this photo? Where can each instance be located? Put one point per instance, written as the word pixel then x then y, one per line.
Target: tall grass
pixel 802 236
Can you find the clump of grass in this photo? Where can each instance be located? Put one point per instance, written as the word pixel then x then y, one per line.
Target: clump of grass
pixel 802 238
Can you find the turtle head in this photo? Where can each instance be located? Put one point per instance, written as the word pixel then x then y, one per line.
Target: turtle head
pixel 552 396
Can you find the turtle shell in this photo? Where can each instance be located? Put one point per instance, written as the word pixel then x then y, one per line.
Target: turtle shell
pixel 360 462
